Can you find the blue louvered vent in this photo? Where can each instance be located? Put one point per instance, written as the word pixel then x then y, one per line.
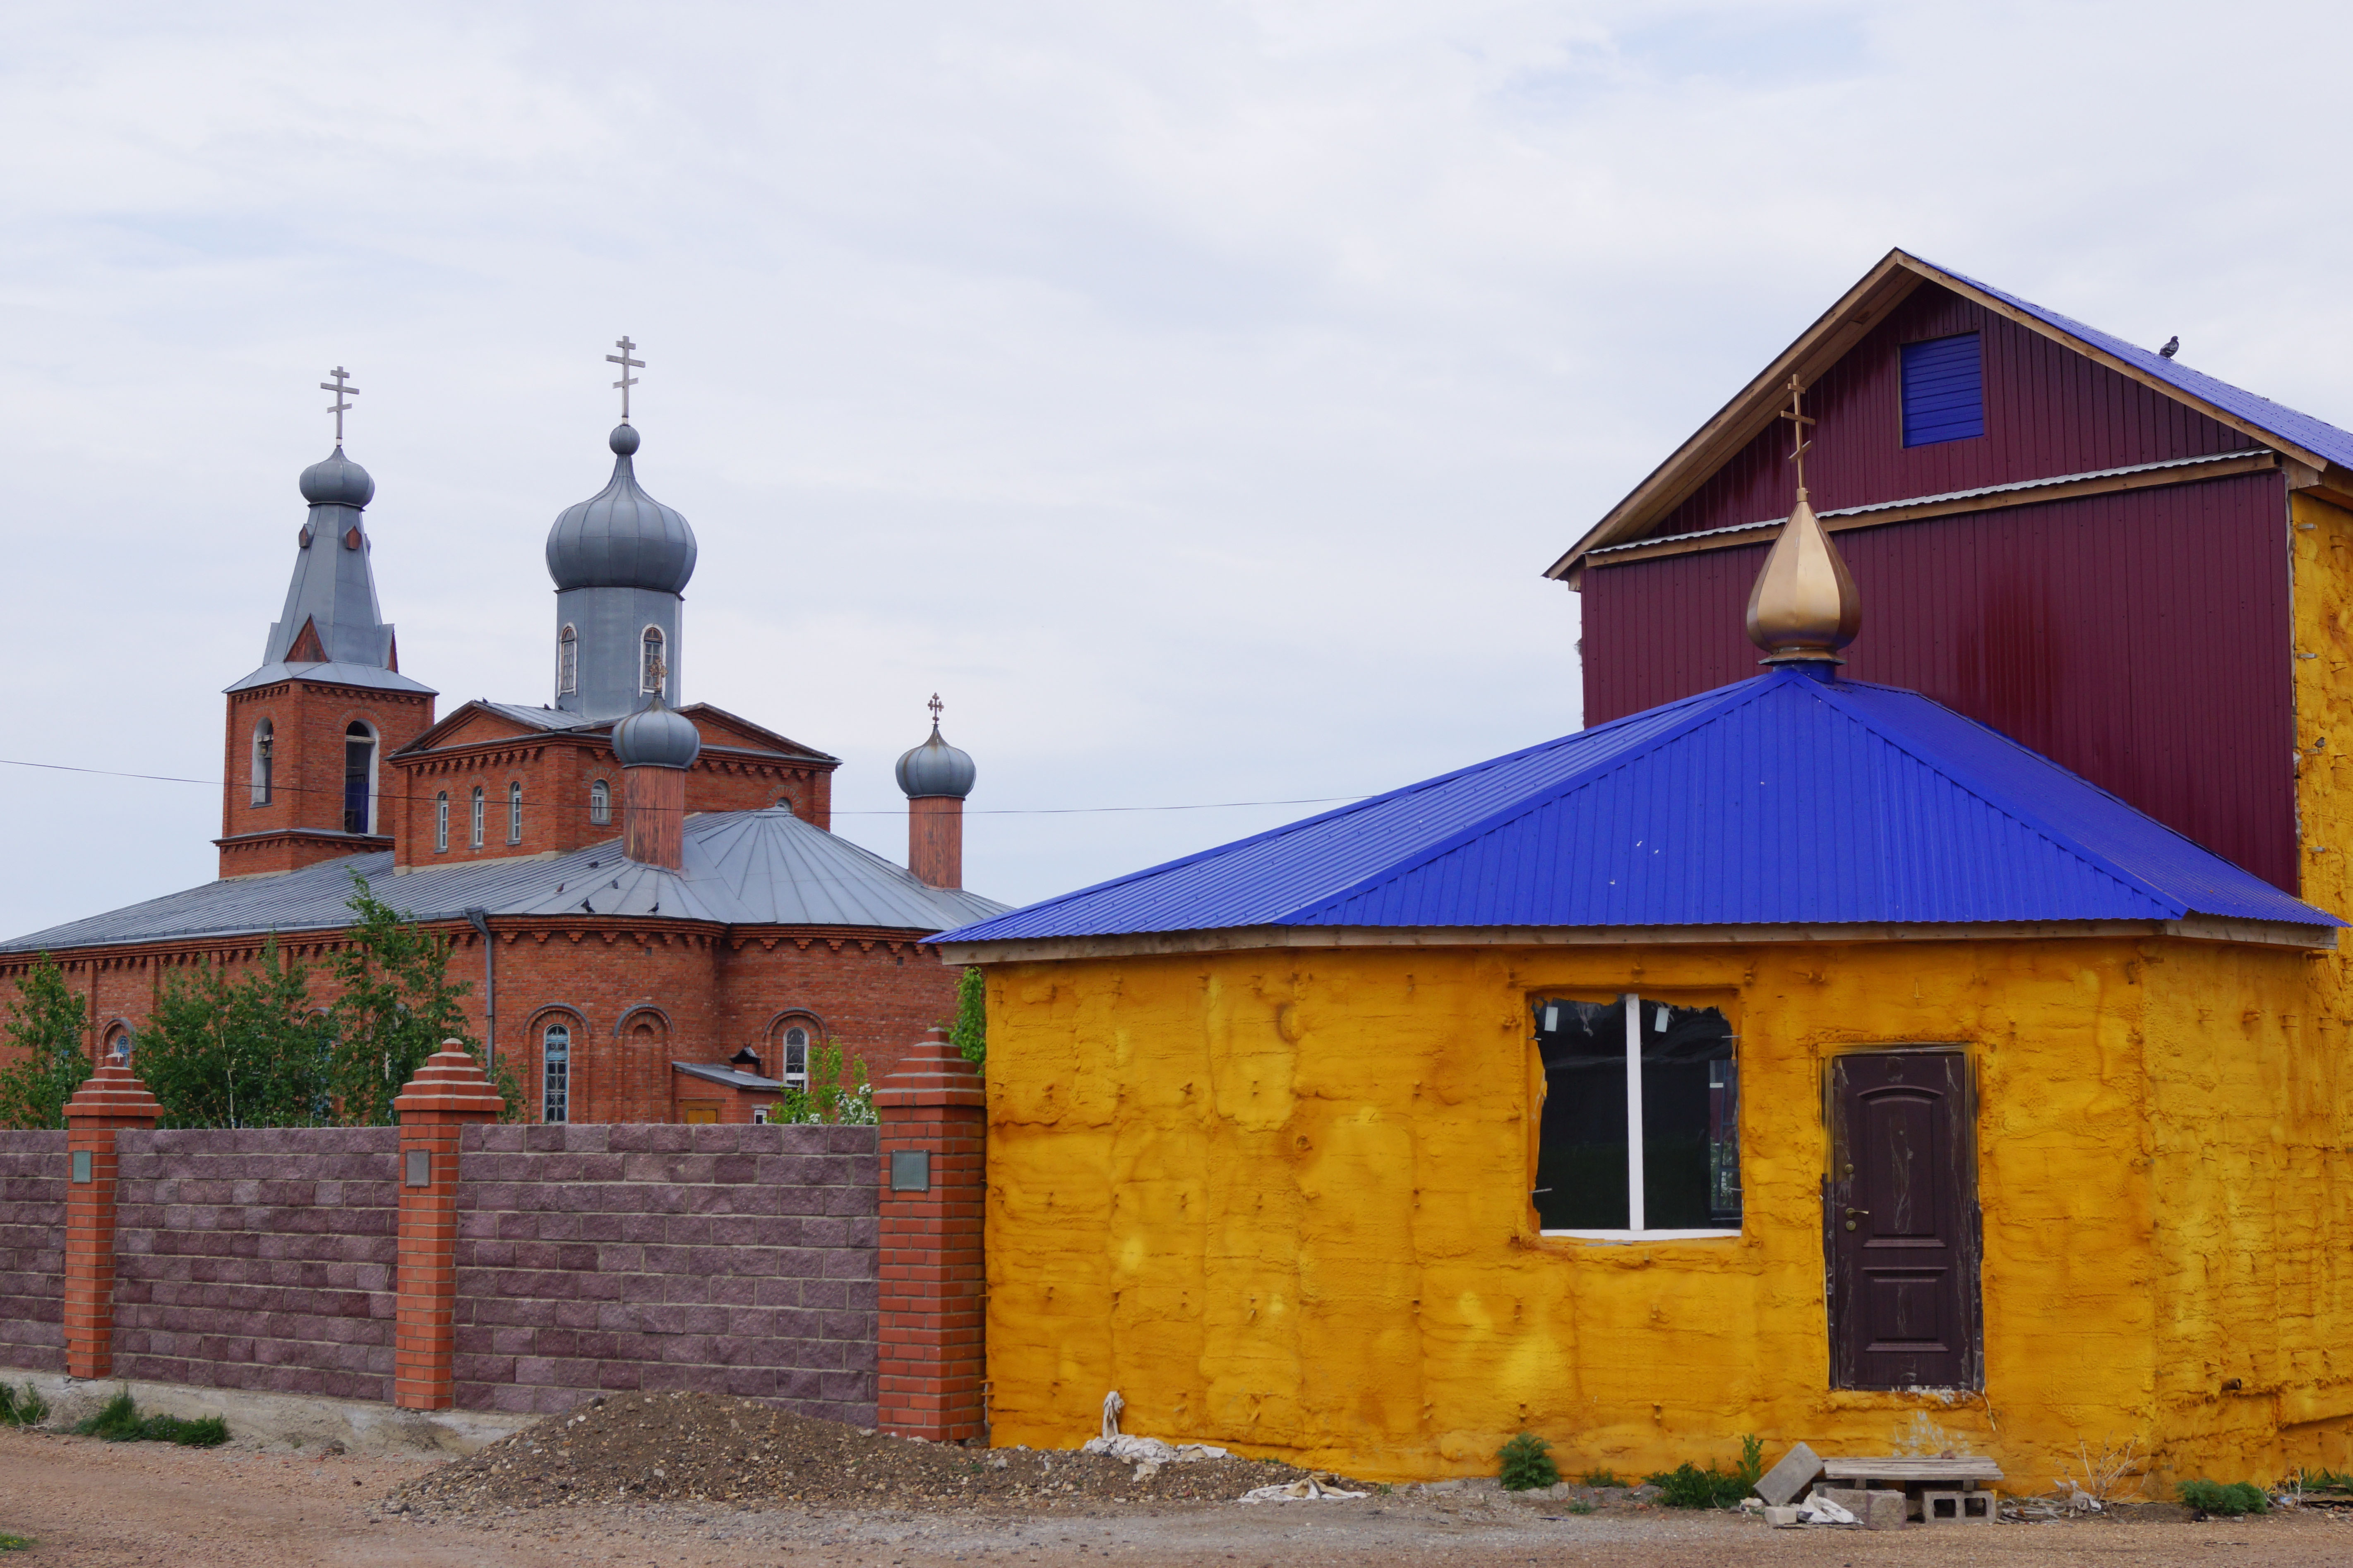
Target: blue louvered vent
pixel 1944 390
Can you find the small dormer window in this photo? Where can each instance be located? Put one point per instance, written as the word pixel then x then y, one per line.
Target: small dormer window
pixel 600 802
pixel 655 668
pixel 264 742
pixel 441 823
pixel 474 832
pixel 567 662
pixel 514 812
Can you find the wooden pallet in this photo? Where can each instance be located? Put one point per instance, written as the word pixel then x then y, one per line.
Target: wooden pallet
pixel 1910 1467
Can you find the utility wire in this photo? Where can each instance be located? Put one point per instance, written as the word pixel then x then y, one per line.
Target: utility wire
pixel 500 802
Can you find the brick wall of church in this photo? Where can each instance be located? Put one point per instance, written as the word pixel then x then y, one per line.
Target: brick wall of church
pixel 308 722
pixel 640 995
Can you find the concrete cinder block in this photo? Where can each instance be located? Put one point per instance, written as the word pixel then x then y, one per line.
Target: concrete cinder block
pixel 1781 1518
pixel 1786 1481
pixel 1969 1505
pixel 1884 1511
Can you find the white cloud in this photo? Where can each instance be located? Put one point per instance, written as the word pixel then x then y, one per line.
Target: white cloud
pixel 1192 394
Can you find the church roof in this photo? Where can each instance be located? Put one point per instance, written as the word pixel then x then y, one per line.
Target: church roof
pixel 367 676
pixel 2313 442
pixel 1778 801
pixel 741 868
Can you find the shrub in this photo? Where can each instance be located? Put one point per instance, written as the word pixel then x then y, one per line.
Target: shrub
pixel 2231 1499
pixel 119 1421
pixel 17 1544
pixel 1604 1476
pixel 22 1406
pixel 1688 1486
pixel 2324 1479
pixel 1527 1464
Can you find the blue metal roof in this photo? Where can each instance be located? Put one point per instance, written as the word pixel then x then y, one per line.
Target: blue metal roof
pixel 1777 800
pixel 2317 436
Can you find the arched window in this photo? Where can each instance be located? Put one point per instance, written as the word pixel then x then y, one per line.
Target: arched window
pixel 359 779
pixel 474 827
pixel 600 802
pixel 555 1073
pixel 567 662
pixel 794 1066
pixel 655 668
pixel 514 812
pixel 441 823
pixel 264 739
pixel 118 1043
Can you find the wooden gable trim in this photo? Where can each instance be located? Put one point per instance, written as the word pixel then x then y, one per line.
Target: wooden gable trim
pixel 1998 498
pixel 1831 336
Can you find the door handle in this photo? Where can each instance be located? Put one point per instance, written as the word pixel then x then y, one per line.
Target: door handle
pixel 1850 1217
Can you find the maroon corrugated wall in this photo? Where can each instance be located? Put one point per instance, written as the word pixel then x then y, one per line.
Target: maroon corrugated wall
pixel 2141 639
pixel 2048 411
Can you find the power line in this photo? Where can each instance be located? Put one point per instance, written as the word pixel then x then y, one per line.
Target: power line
pixel 542 805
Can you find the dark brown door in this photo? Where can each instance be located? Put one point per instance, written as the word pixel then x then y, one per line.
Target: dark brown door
pixel 1900 1223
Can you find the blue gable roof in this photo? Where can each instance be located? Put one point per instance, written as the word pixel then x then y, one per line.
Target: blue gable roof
pixel 2317 436
pixel 1778 800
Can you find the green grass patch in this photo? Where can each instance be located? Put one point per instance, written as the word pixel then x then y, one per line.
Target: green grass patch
pixel 1527 1464
pixel 1580 1506
pixel 119 1421
pixel 1688 1486
pixel 2229 1499
pixel 22 1406
pixel 16 1542
pixel 2323 1480
pixel 1604 1476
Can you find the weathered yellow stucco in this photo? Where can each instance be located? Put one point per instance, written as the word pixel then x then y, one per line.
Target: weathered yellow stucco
pixel 1276 1199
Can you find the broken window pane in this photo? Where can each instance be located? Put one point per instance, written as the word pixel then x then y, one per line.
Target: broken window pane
pixel 1691 1140
pixel 1582 1159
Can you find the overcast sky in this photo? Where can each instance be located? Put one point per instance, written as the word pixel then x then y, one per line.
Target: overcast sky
pixel 1192 394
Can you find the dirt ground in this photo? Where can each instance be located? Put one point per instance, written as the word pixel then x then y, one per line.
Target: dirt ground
pixel 98 1505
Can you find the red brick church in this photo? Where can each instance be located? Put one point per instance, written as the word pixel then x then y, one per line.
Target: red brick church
pixel 657 923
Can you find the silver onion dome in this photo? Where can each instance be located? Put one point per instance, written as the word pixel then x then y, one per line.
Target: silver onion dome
pixel 936 768
pixel 621 537
pixel 336 481
pixel 657 737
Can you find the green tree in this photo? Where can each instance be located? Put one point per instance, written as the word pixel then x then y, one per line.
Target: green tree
pixel 46 1027
pixel 969 1033
pixel 248 1052
pixel 837 1093
pixel 398 1004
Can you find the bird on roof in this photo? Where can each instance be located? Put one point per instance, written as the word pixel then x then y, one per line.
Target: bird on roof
pixel 2172 346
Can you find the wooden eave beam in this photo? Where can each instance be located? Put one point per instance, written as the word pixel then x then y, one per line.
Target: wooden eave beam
pixel 1948 506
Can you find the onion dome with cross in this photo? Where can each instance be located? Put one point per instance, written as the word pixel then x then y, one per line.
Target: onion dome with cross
pixel 936 768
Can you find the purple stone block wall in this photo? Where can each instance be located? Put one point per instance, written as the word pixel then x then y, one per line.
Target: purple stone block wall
pixel 257 1259
pixel 738 1259
pixel 33 1250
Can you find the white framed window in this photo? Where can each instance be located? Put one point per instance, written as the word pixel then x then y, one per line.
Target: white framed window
pixel 118 1045
pixel 600 802
pixel 555 1073
pixel 441 823
pixel 567 662
pixel 1641 1131
pixel 759 1116
pixel 359 779
pixel 474 827
pixel 265 741
pixel 653 667
pixel 514 811
pixel 792 1065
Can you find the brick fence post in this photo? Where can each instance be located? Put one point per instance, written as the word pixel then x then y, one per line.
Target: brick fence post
pixel 931 1356
pixel 110 1100
pixel 448 1093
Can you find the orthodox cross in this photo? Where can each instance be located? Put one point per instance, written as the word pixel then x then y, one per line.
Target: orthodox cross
pixel 1800 419
pixel 626 364
pixel 934 706
pixel 339 408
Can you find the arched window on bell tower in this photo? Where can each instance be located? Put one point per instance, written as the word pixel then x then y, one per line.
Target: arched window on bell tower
pixel 653 667
pixel 359 778
pixel 567 661
pixel 265 738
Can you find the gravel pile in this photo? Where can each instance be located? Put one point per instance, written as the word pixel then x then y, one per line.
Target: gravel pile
pixel 702 1447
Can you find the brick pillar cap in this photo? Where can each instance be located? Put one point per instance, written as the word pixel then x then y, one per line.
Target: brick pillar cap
pixel 934 1073
pixel 113 1095
pixel 451 1083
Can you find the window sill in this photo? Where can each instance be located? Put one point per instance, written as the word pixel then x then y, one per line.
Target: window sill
pixel 1632 1235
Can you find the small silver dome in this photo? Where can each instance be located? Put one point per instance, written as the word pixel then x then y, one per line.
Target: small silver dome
pixel 936 768
pixel 657 737
pixel 621 537
pixel 336 481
